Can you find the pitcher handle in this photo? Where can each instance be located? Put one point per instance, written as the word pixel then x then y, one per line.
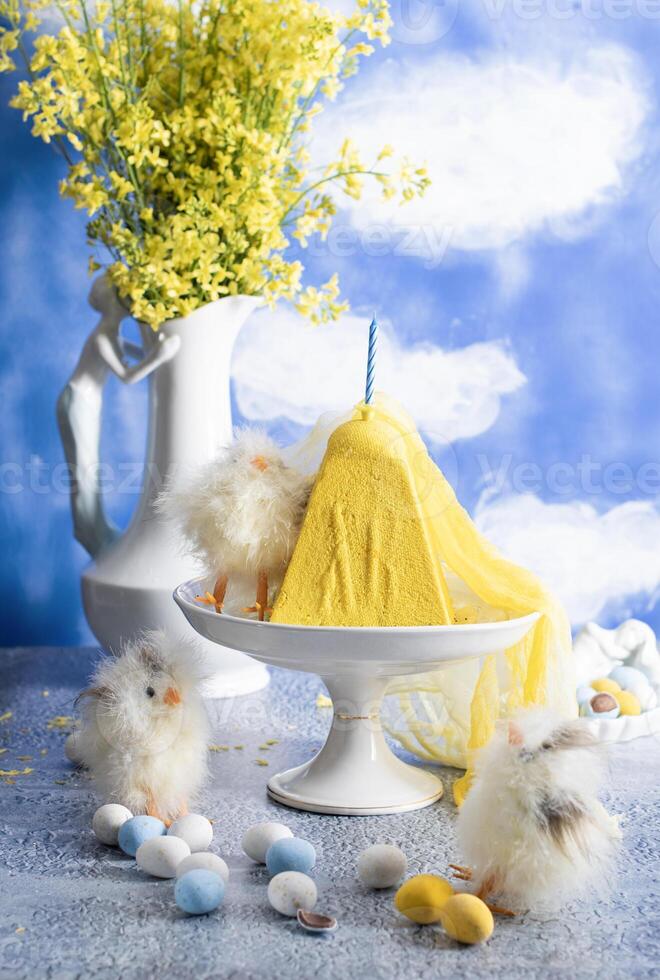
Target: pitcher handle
pixel 80 406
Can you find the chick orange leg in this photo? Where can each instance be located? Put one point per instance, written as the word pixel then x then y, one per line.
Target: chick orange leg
pixel 462 873
pixel 219 592
pixel 262 594
pixel 487 887
pixel 484 892
pixel 153 811
pixel 261 605
pixel 498 910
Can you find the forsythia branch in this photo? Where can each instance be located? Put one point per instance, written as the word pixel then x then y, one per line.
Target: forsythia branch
pixel 186 124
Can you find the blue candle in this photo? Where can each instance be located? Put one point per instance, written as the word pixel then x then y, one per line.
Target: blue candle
pixel 371 360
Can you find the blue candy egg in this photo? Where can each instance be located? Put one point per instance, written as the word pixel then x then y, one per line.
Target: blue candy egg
pixel 602 705
pixel 628 676
pixel 584 694
pixel 137 830
pixel 199 891
pixel 290 854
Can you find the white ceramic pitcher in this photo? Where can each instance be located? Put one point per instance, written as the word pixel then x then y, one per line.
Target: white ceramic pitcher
pixel 128 585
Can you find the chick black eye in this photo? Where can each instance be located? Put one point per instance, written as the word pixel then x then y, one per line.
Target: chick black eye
pixel 150 692
pixel 546 745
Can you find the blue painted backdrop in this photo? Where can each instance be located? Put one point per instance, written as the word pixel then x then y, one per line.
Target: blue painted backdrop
pixel 534 331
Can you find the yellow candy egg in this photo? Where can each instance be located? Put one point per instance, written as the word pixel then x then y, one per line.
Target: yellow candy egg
pixel 467 919
pixel 605 685
pixel 423 897
pixel 628 703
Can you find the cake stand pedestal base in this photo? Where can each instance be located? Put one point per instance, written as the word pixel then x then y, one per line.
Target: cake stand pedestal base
pixel 355 773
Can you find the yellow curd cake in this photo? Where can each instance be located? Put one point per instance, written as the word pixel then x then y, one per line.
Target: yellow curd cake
pixel 364 556
pixel 382 536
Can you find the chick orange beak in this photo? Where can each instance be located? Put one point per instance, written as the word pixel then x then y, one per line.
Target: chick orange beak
pixel 172 696
pixel 260 463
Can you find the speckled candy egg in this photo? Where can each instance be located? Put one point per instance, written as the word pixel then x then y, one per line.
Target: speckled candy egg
pixel 160 856
pixel 199 892
pixel 381 866
pixel 207 862
pixel 290 891
pixel 290 854
pixel 467 919
pixel 259 838
pixel 584 694
pixel 422 898
pixel 136 831
pixel 108 821
pixel 194 829
pixel 602 705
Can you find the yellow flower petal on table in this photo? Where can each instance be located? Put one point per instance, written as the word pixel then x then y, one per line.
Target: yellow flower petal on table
pixel 60 721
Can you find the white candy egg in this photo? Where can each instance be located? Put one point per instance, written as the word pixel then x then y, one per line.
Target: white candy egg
pixel 207 862
pixel 382 866
pixel 194 829
pixel 108 820
pixel 258 839
pixel 290 891
pixel 161 856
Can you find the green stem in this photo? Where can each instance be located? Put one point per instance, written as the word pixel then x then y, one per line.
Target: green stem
pixel 181 51
pixel 130 169
pixel 286 140
pixel 324 180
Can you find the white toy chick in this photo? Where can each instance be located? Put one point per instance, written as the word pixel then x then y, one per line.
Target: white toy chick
pixel 531 826
pixel 241 514
pixel 144 731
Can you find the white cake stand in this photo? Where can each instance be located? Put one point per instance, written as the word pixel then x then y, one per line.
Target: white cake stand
pixel 355 772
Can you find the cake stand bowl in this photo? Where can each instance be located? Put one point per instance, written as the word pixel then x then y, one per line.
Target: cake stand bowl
pixel 355 773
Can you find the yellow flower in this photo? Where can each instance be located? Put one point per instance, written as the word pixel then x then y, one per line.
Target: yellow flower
pixel 186 127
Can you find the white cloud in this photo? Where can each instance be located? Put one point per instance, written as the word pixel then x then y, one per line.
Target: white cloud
pixel 514 144
pixel 283 367
pixel 589 560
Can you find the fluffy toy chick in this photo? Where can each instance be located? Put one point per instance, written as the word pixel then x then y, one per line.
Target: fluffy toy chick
pixel 532 826
pixel 241 514
pixel 144 731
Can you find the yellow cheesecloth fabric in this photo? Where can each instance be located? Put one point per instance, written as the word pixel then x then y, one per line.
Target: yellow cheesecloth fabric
pixel 445 716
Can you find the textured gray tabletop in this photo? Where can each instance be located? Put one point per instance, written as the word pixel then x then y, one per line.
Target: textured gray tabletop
pixel 70 907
